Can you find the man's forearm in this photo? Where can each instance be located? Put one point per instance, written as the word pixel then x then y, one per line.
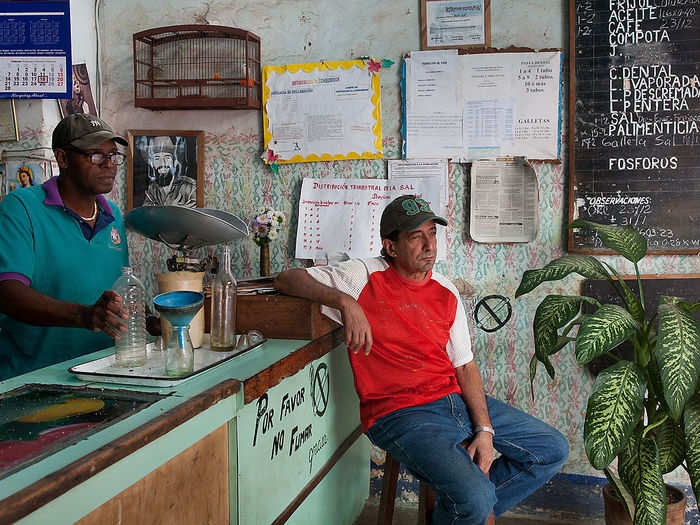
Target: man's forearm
pixel 299 283
pixel 21 302
pixel 469 380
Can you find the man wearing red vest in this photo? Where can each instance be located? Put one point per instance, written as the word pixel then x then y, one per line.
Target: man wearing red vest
pixel 421 393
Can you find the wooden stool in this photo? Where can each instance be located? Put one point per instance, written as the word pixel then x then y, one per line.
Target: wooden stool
pixel 426 496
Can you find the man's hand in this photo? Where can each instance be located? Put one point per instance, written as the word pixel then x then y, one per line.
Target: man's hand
pixel 481 451
pixel 106 315
pixel 358 333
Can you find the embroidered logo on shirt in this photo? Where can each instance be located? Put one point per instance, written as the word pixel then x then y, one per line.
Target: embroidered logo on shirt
pixel 114 235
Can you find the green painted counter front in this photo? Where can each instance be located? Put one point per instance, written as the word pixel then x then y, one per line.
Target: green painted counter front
pixel 328 488
pixel 287 436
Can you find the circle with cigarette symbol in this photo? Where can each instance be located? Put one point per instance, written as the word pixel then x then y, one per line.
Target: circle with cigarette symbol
pixel 492 313
pixel 320 389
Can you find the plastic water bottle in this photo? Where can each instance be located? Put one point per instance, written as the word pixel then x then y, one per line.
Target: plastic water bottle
pixel 223 306
pixel 130 348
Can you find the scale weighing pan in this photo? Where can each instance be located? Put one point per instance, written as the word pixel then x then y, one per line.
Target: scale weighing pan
pixel 183 228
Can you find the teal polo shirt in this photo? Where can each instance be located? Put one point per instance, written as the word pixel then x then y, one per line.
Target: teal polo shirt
pixel 48 247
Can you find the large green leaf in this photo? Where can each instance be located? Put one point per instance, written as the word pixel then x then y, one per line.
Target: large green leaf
pixel 632 301
pixel 678 356
pixel 690 307
pixel 584 265
pixel 554 312
pixel 625 240
pixel 614 408
pixel 602 331
pixel 650 503
pixel 639 470
pixel 621 491
pixel 670 441
pixel 628 466
pixel 691 429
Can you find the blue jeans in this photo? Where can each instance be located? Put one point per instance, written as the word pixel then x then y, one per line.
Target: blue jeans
pixel 427 440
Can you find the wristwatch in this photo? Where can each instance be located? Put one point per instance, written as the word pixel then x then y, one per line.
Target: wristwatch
pixel 490 430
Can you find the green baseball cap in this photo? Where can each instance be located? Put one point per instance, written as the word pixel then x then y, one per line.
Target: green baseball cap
pixel 405 213
pixel 83 131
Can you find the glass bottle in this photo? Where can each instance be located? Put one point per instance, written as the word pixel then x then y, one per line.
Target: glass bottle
pixel 223 305
pixel 130 348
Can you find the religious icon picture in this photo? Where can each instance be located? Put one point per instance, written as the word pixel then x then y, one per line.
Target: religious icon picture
pixel 27 173
pixel 82 101
pixel 165 168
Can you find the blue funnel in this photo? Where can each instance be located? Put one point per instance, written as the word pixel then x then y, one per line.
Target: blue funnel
pixel 179 307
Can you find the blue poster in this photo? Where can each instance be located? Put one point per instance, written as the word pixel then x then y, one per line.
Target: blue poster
pixel 35 59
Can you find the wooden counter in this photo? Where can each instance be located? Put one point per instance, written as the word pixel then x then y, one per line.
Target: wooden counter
pixel 196 456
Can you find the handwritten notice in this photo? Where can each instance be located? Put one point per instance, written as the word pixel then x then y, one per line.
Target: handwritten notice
pixel 290 433
pixel 343 215
pixel 636 122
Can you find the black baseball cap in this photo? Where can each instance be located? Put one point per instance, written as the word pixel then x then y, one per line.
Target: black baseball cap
pixel 404 213
pixel 83 131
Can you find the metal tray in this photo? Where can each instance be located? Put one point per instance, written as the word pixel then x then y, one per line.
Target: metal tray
pixel 152 373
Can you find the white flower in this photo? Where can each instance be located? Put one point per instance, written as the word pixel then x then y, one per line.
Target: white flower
pixel 272 235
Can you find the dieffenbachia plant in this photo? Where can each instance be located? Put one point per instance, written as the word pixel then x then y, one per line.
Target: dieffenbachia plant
pixel 646 411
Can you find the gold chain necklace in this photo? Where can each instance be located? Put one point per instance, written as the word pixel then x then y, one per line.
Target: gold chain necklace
pixel 91 217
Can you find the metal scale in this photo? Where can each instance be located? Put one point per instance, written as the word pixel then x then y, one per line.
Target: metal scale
pixel 185 230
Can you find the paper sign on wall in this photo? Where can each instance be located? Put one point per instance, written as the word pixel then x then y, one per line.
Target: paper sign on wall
pixel 321 111
pixel 484 105
pixel 343 215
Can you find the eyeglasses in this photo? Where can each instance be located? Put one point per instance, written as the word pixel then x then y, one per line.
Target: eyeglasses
pixel 98 158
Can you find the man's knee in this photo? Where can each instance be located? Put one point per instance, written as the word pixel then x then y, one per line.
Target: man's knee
pixel 475 502
pixel 557 449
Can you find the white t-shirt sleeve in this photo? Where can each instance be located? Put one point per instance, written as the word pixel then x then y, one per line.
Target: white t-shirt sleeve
pixel 349 277
pixel 459 347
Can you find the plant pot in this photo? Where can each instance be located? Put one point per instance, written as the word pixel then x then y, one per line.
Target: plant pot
pixel 615 513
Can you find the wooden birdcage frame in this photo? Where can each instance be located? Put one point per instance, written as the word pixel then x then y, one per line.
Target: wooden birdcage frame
pixel 197 67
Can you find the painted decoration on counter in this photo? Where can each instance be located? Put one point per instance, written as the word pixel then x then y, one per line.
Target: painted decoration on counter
pixel 322 111
pixel 286 436
pixel 37 420
pixel 165 168
pixel 82 100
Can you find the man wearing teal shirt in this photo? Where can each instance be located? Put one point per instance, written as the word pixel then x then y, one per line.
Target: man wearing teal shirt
pixel 62 245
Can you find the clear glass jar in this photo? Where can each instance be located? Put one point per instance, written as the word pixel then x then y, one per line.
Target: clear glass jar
pixel 223 305
pixel 130 348
pixel 179 355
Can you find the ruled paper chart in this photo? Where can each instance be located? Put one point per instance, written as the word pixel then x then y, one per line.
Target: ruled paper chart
pixel 343 215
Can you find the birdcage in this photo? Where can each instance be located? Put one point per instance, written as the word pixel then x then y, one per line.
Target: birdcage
pixel 196 67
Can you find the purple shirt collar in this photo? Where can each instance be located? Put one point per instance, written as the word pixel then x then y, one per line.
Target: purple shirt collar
pixel 53 197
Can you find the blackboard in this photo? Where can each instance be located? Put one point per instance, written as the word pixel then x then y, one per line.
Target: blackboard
pixel 686 286
pixel 634 120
